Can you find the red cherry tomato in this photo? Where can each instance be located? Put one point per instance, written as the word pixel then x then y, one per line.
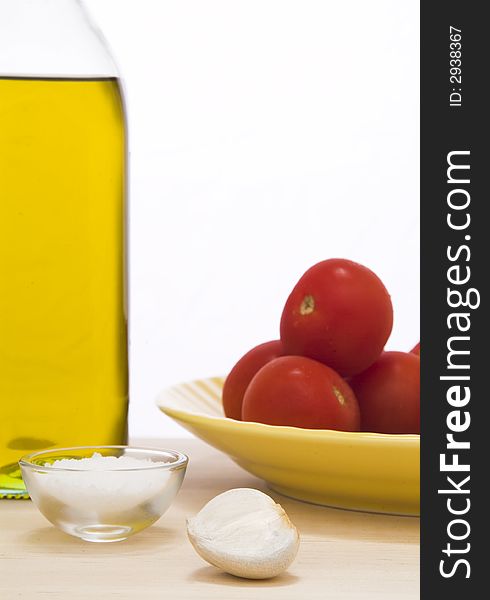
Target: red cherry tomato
pixel 300 392
pixel 340 314
pixel 237 381
pixel 389 394
pixel 416 349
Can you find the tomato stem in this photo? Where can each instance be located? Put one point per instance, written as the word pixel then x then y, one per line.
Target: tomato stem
pixel 339 395
pixel 307 306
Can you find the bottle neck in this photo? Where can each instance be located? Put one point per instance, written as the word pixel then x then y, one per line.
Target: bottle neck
pixel 51 38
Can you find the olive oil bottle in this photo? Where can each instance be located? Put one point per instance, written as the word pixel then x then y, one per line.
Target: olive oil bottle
pixel 63 326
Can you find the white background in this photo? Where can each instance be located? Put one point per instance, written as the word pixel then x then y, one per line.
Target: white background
pixel 265 135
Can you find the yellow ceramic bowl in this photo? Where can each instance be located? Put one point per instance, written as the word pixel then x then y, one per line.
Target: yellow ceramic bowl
pixel 359 471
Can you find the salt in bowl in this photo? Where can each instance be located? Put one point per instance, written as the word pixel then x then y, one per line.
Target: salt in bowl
pixel 103 493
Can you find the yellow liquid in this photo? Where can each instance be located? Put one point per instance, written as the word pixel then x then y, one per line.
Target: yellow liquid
pixel 63 349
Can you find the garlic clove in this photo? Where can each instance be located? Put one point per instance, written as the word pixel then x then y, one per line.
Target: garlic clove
pixel 245 533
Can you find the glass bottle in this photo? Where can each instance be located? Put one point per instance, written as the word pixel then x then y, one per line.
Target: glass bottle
pixel 63 326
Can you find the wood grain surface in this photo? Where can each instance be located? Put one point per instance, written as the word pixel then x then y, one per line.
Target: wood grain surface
pixel 343 555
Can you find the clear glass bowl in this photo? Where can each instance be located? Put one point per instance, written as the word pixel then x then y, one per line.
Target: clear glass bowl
pixel 105 501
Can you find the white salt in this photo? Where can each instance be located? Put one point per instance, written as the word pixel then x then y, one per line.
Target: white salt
pixel 103 483
pixel 97 462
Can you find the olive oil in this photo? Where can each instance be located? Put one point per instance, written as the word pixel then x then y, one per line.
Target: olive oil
pixel 63 347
